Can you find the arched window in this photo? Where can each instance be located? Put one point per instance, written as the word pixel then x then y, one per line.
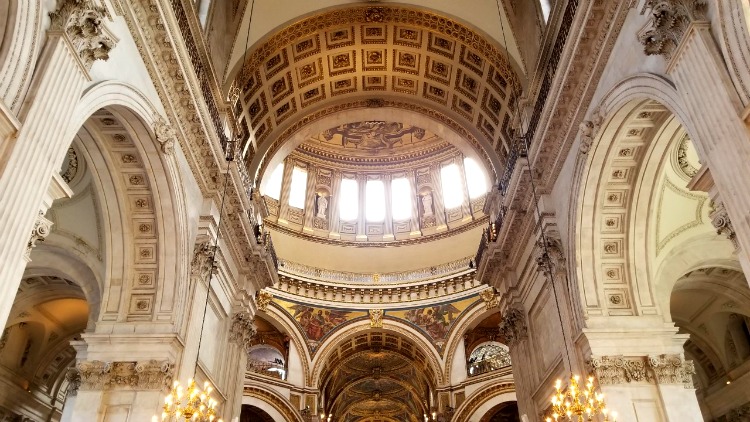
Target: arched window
pixel 401 199
pixel 375 201
pixel 348 204
pixel 488 357
pixel 475 179
pixel 453 193
pixel 298 188
pixel 266 360
pixel 273 186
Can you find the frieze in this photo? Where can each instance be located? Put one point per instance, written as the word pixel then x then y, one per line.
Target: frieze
pixel 128 375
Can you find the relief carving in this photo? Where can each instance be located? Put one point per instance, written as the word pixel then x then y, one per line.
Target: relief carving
pixel 672 369
pixel 143 375
pixel 202 262
pixel 490 298
pixel 589 129
pixel 82 23
pixel 41 230
pixel 720 220
pixel 74 381
pixel 262 299
pixel 165 135
pixel 376 318
pixel 513 327
pixel 668 23
pixel 243 329
pixel 659 369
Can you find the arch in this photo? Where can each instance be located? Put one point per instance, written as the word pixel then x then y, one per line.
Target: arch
pixel 483 400
pixel 270 402
pixel 20 42
pixel 732 19
pixel 282 322
pixel 471 318
pixel 324 357
pixel 252 413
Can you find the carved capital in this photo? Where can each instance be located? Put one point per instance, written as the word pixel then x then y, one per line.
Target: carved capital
pixel 201 265
pixel 720 220
pixel 142 375
pixel 613 370
pixel 376 318
pixel 513 328
pixel 41 230
pixel 489 296
pixel 262 299
pixel 243 329
pixel 550 255
pixel 82 23
pixel 669 21
pixel 74 381
pixel 165 135
pixel 672 369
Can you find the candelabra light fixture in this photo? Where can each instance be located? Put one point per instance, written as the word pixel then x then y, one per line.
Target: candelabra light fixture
pixel 193 404
pixel 579 403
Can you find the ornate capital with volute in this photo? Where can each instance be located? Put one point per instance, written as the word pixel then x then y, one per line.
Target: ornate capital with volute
pixel 720 220
pixel 41 230
pixel 243 329
pixel 490 298
pixel 659 369
pixel 82 23
pixel 668 24
pixel 201 264
pixel 165 135
pixel 672 369
pixel 140 375
pixel 513 328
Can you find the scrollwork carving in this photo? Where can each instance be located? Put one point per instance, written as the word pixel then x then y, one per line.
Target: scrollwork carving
pixel 720 220
pixel 243 329
pixel 42 228
pixel 668 23
pixel 141 375
pixel 613 370
pixel 165 135
pixel 82 23
pixel 513 327
pixel 262 299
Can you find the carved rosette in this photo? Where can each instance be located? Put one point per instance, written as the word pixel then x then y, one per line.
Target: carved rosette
pixel 82 23
pixel 165 135
pixel 376 318
pixel 41 230
pixel 720 220
pixel 201 265
pixel 669 21
pixel 262 299
pixel 141 375
pixel 243 329
pixel 490 298
pixel 513 328
pixel 661 369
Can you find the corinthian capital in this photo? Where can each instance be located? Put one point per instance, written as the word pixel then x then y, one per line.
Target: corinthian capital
pixel 513 327
pixel 243 330
pixel 41 230
pixel 668 23
pixel 203 255
pixel 720 220
pixel 81 22
pixel 165 135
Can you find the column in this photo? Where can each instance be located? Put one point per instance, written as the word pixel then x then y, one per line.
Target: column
pixel 44 134
pixel 415 226
pixel 466 203
pixel 286 181
pixel 333 205
pixel 310 199
pixel 712 104
pixel 438 200
pixel 241 335
pixel 388 222
pixel 361 220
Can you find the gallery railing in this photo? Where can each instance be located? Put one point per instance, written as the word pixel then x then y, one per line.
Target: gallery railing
pixel 488 365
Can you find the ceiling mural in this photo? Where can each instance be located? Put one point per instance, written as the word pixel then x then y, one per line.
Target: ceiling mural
pixel 316 323
pixel 374 136
pixel 435 321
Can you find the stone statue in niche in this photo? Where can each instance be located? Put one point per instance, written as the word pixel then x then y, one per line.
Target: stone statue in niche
pixel 427 204
pixel 322 207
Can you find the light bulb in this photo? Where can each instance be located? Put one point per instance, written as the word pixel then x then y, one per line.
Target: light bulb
pixel 614 416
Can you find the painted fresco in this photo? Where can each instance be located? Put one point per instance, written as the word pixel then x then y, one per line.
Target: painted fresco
pixel 436 320
pixel 316 323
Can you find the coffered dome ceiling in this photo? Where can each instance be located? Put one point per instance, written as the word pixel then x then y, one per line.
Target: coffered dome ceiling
pixel 401 58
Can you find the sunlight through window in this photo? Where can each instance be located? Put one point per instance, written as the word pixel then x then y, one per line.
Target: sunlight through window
pixel 273 187
pixel 298 188
pixel 452 191
pixel 475 179
pixel 401 199
pixel 375 201
pixel 348 208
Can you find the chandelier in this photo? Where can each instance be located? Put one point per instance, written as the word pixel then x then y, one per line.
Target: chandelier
pixel 579 403
pixel 198 406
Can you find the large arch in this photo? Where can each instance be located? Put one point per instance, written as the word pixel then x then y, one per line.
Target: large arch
pixel 270 402
pixel 20 43
pixel 479 403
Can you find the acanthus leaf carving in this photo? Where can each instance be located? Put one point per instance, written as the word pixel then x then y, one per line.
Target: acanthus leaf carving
pixel 668 23
pixel 73 376
pixel 614 370
pixel 243 329
pixel 82 23
pixel 166 135
pixel 720 220
pixel 262 299
pixel 202 263
pixel 42 228
pixel 513 327
pixel 489 296
pixel 140 375
pixel 672 369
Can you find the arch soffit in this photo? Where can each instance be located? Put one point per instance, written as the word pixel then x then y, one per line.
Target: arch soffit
pixel 287 68
pixel 471 318
pixel 327 350
pixel 271 398
pixel 489 397
pixel 280 320
pixel 620 104
pixel 137 116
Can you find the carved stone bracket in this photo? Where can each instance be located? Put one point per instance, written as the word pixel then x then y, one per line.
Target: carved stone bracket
pixel 143 375
pixel 165 135
pixel 668 23
pixel 41 230
pixel 489 296
pixel 201 265
pixel 376 318
pixel 73 376
pixel 82 23
pixel 661 369
pixel 243 329
pixel 720 220
pixel 262 299
pixel 513 327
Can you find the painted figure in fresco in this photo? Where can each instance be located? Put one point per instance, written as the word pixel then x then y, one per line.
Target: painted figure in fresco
pixel 316 323
pixel 435 320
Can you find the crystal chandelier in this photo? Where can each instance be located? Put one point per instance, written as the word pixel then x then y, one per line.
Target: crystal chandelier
pixel 193 404
pixel 579 403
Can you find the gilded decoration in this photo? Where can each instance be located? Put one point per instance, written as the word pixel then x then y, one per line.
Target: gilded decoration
pixel 263 298
pixel 435 321
pixel 376 318
pixel 315 322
